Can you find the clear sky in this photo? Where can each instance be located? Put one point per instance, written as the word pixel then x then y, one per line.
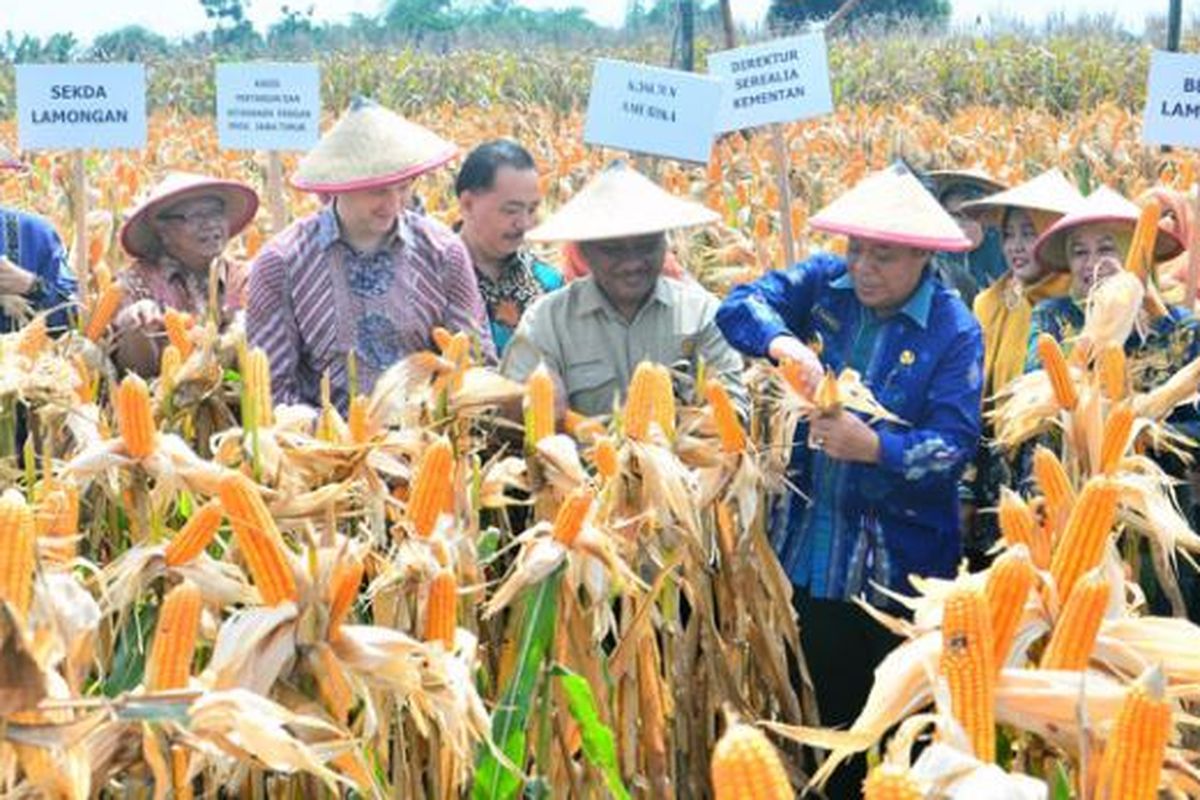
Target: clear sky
pixel 172 18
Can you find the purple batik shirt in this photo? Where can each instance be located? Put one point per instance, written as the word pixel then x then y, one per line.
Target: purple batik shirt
pixel 314 299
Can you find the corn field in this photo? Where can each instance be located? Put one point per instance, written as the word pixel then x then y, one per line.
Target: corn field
pixel 209 594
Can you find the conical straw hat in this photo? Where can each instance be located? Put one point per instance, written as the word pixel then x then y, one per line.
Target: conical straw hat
pixel 946 179
pixel 892 206
pixel 138 236
pixel 1050 191
pixel 1101 206
pixel 618 202
pixel 369 147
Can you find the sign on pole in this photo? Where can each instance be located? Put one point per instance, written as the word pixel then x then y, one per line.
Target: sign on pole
pixel 78 106
pixel 1172 116
pixel 644 109
pixel 778 81
pixel 268 106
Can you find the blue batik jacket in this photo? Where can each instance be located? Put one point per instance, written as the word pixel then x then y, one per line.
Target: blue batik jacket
pixel 854 525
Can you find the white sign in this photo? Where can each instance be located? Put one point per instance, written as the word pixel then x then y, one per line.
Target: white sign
pixel 77 106
pixel 1173 100
pixel 268 106
pixel 663 112
pixel 778 81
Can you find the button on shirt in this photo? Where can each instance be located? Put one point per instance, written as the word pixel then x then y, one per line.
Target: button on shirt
pixel 32 244
pixel 582 337
pixel 853 524
pixel 314 299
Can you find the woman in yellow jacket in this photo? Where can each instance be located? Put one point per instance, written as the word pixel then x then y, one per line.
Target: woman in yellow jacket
pixel 1004 312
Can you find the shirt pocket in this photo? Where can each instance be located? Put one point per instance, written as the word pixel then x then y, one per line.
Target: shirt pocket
pixel 591 385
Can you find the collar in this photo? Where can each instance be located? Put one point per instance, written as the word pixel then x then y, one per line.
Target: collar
pixel 174 268
pixel 329 230
pixel 592 299
pixel 917 306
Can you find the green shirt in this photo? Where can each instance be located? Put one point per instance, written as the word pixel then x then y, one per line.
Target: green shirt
pixel 583 338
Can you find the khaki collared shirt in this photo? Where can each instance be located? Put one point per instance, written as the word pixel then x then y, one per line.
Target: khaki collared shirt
pixel 579 335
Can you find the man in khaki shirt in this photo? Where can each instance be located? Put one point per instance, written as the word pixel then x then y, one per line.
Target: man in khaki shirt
pixel 593 332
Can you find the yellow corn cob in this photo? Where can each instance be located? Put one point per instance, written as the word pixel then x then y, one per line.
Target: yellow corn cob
pixel 729 427
pixel 441 338
pixel 103 312
pixel 180 758
pixel 257 378
pixel 1055 364
pixel 360 422
pixel 432 492
pixel 17 551
pixel 891 782
pixel 332 684
pixel 1131 768
pixel 1082 543
pixel 343 588
pixel 34 338
pixel 605 457
pixel 581 426
pixel 1016 519
pixel 1140 258
pixel 1052 479
pixel 1074 634
pixel 1111 369
pixel 568 522
pixel 1009 581
pixel 195 535
pixel 664 400
pixel 178 325
pixel 258 539
pixel 168 366
pixel 441 609
pixel 1115 440
pixel 458 349
pixel 170 662
pixel 58 511
pixel 968 665
pixel 639 402
pixel 135 421
pixel 539 404
pixel 746 766
pixel 827 396
pixel 85 389
pixel 789 370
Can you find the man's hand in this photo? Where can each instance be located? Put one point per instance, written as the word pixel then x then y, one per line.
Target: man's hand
pixel 844 437
pixel 144 315
pixel 812 370
pixel 14 280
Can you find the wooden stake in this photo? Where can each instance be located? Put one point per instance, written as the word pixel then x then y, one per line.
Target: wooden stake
pixel 782 170
pixel 275 200
pixel 80 211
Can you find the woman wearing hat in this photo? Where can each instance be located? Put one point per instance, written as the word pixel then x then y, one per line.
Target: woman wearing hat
pixel 593 332
pixel 1092 242
pixel 34 274
pixel 876 502
pixel 177 237
pixel 365 275
pixel 1004 310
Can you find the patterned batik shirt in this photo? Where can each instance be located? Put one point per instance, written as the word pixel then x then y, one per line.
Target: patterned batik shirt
pixel 523 279
pixel 314 299
pixel 853 525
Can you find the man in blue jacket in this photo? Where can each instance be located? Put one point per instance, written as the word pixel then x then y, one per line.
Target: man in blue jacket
pixel 878 502
pixel 34 275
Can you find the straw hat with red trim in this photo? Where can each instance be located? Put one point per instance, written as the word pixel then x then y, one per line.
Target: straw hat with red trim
pixel 138 236
pixel 1049 192
pixel 619 202
pixel 892 206
pixel 1103 206
pixel 370 147
pixel 946 179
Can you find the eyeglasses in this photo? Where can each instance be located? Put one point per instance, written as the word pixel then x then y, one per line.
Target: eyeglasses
pixel 194 219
